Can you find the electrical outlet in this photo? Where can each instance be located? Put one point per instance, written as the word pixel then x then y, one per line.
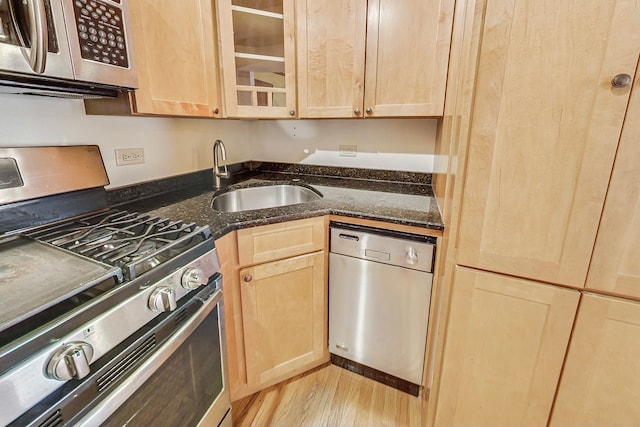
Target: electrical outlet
pixel 348 150
pixel 129 156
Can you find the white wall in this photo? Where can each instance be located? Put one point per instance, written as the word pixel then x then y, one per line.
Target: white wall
pixel 177 146
pixel 171 146
pixel 391 144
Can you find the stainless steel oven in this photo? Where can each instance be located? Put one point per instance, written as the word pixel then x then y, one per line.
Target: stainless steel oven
pixel 178 383
pixel 107 317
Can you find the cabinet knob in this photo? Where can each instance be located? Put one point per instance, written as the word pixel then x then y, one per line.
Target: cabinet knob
pixel 621 80
pixel 292 113
pixel 216 111
pixel 247 278
pixel 356 111
pixel 369 110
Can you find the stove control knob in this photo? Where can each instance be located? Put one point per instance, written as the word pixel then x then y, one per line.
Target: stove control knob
pixel 70 362
pixel 193 278
pixel 412 256
pixel 163 298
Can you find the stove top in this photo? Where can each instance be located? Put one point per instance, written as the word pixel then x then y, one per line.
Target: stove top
pixel 134 242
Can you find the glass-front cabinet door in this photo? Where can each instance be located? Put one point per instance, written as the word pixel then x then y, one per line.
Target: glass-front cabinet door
pixel 258 57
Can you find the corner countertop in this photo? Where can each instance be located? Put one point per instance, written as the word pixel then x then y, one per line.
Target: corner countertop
pixel 411 204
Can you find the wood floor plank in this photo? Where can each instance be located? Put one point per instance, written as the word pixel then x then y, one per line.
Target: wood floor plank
pixel 365 398
pixel 329 396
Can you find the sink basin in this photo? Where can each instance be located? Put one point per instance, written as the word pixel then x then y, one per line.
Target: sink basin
pixel 268 196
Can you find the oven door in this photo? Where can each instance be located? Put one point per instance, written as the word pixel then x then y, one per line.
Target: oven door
pixel 33 39
pixel 183 383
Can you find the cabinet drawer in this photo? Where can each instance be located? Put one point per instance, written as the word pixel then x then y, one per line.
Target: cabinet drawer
pixel 283 240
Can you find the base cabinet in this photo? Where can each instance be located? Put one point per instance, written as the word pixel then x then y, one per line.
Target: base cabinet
pixel 275 292
pixel 283 307
pixel 505 346
pixel 600 384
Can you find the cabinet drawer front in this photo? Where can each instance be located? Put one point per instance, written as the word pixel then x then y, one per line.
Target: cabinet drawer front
pixel 278 241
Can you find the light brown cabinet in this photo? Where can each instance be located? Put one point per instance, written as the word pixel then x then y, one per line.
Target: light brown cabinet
pixel 541 120
pixel 600 383
pixel 407 51
pixel 615 266
pixel 285 316
pixel 281 240
pixel 505 345
pixel 275 290
pixel 545 126
pixel 258 57
pixel 176 56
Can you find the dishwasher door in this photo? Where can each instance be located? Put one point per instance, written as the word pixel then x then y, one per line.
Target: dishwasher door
pixel 378 312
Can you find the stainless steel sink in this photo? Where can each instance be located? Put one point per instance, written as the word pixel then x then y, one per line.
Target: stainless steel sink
pixel 268 196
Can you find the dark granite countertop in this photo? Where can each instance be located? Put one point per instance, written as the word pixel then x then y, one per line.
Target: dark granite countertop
pixel 408 202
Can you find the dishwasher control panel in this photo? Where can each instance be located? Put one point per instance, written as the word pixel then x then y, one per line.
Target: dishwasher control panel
pixel 389 247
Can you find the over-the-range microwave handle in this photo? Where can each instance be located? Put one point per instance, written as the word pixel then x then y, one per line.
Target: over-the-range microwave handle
pixel 38 34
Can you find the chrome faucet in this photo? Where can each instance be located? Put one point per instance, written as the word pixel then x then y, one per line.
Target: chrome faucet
pixel 218 146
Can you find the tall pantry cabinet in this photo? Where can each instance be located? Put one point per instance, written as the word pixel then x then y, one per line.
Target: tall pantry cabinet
pixel 547 100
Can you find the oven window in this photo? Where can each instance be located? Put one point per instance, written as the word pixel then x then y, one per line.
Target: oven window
pixel 182 390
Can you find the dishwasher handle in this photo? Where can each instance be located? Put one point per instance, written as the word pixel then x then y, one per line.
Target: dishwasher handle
pixel 349 236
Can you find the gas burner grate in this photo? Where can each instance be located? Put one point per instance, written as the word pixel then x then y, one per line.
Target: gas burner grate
pixel 134 242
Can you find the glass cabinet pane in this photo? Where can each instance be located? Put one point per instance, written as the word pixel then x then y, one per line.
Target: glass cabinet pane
pixel 259 47
pixel 274 6
pixel 262 55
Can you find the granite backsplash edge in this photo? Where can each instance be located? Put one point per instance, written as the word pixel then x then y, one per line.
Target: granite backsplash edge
pixel 194 182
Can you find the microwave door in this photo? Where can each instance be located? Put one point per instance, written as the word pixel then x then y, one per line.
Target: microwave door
pixel 33 38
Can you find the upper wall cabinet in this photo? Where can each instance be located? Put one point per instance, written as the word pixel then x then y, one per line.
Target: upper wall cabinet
pixel 258 57
pixel 407 52
pixel 176 55
pixel 549 105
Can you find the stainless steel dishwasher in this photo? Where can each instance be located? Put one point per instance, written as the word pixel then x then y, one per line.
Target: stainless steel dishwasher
pixel 379 295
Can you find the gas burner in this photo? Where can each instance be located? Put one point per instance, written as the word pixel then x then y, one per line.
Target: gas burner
pixel 96 237
pixel 144 249
pixel 132 251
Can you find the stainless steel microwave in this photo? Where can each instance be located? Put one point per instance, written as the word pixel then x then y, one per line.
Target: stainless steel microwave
pixel 62 47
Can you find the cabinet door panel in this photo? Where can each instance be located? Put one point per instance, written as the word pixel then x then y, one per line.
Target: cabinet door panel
pixel 258 57
pixel 407 57
pixel 285 317
pixel 176 67
pixel 544 132
pixel 505 345
pixel 600 384
pixel 331 40
pixel 615 266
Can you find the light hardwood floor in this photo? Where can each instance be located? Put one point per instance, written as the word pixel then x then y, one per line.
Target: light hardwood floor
pixel 328 396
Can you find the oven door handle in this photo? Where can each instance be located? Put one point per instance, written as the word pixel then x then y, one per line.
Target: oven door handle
pixel 118 396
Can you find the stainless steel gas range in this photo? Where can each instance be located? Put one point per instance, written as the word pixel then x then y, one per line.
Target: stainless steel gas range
pixel 107 317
